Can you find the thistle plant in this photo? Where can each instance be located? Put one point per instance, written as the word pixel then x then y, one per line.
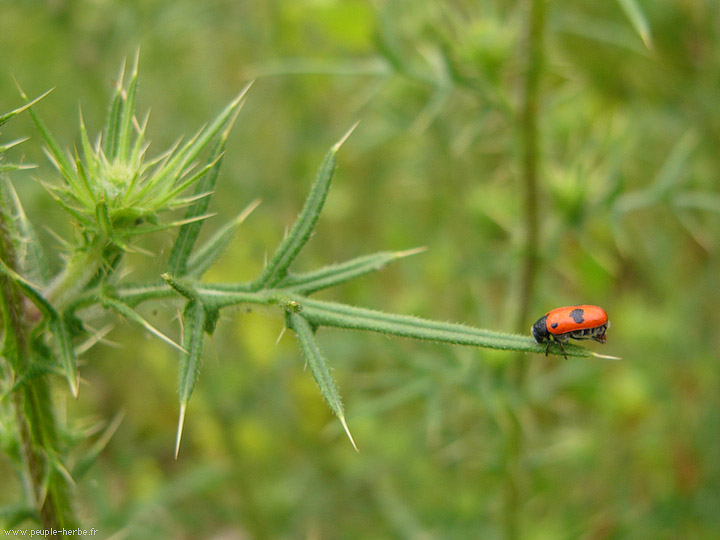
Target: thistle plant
pixel 115 194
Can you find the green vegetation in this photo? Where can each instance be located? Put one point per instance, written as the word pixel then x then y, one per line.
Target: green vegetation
pixel 544 154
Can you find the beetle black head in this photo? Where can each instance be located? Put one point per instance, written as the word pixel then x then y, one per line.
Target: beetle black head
pixel 539 330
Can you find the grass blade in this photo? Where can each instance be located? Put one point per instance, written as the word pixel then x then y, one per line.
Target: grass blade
pixel 193 335
pixel 301 230
pixel 319 367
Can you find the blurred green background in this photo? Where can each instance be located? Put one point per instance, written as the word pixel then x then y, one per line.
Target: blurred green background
pixel 629 217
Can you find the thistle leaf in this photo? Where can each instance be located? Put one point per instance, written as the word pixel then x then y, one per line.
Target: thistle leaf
pixel 146 229
pixel 91 159
pixel 321 313
pixel 184 287
pixel 128 113
pixel 88 459
pixel 187 235
pixel 319 367
pixel 176 165
pixel 32 259
pixel 57 324
pixel 30 291
pixel 7 116
pixel 132 295
pixel 190 360
pixel 204 257
pixel 11 515
pixel 68 359
pixel 299 234
pixel 127 312
pixel 112 133
pixel 638 20
pixel 57 156
pixel 186 183
pixel 204 137
pixel 335 274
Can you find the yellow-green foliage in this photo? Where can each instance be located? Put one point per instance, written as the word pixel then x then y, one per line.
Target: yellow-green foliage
pixel 628 213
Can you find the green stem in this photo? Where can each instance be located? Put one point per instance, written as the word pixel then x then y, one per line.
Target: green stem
pixel 529 137
pixel 46 490
pixel 82 267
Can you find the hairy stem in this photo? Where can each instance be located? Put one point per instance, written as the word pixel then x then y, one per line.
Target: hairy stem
pixel 82 266
pixel 46 490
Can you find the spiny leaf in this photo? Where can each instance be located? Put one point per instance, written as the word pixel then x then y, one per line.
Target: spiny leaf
pixel 55 153
pixel 124 310
pixel 132 295
pixel 323 313
pixel 183 185
pixel 30 291
pixel 335 274
pixel 319 367
pixel 67 354
pixel 301 230
pixel 103 218
pixel 184 287
pixel 89 154
pixel 110 142
pixel 11 515
pixel 146 229
pixel 31 254
pixel 187 235
pixel 206 135
pixel 128 113
pixel 204 257
pixel 7 146
pixel 193 335
pixel 638 20
pixel 178 163
pixel 88 459
pixel 7 116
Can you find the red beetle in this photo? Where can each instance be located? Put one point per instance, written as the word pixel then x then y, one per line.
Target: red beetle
pixel 577 322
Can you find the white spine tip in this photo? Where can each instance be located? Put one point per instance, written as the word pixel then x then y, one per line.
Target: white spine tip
pixel 181 424
pixel 409 252
pixel 606 356
pixel 347 431
pixel 344 138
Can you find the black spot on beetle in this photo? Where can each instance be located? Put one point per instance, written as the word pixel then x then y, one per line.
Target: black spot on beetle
pixel 554 325
pixel 577 315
